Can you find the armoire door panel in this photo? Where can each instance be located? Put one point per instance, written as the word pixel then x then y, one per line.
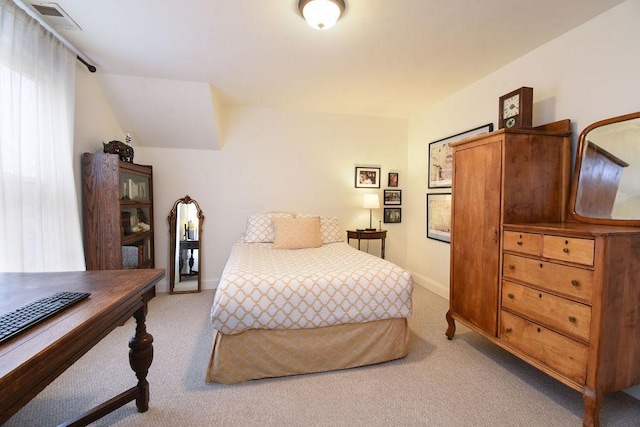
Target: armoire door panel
pixel 477 217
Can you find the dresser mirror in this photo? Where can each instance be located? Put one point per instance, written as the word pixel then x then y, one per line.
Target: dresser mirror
pixel 606 180
pixel 185 246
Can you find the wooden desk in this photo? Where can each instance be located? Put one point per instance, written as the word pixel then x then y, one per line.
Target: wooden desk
pixel 32 360
pixel 368 235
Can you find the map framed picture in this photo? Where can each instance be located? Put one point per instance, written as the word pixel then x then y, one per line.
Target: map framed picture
pixel 439 217
pixel 440 156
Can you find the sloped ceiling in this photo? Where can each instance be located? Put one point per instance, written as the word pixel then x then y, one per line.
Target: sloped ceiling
pixel 165 113
pixel 383 58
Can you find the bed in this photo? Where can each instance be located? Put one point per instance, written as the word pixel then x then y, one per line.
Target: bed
pixel 294 298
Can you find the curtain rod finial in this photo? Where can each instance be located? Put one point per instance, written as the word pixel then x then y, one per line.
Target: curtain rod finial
pixel 89 66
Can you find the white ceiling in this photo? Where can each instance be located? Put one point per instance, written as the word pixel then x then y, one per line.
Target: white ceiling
pixel 383 58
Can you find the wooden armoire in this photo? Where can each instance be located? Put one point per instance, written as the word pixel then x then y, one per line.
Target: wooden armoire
pixel 506 176
pixel 562 294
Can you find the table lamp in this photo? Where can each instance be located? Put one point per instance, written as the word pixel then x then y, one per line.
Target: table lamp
pixel 371 201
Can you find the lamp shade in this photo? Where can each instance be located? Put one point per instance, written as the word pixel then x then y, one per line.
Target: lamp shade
pixel 371 201
pixel 321 14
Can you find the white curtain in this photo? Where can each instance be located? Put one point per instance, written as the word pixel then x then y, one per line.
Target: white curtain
pixel 39 221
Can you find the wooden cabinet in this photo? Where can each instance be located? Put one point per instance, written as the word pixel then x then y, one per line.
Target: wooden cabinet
pixel 562 296
pixel 511 175
pixel 571 305
pixel 118 213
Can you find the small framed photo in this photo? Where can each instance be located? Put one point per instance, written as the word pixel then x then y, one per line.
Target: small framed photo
pixel 367 177
pixel 393 179
pixel 441 156
pixel 392 197
pixel 392 215
pixel 439 217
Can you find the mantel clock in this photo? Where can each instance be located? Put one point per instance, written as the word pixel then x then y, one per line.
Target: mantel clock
pixel 515 109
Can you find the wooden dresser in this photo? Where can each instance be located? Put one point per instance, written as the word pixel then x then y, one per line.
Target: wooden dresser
pixel 560 294
pixel 570 305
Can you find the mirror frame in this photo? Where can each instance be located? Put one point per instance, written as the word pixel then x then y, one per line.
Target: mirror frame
pixel 172 218
pixel 576 175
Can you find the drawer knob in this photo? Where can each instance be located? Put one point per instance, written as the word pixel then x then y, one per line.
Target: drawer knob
pixel 519 243
pixel 574 282
pixel 510 296
pixel 565 250
pixel 512 267
pixel 572 319
pixel 508 330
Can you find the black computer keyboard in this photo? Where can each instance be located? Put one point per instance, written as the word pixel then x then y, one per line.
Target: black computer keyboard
pixel 15 322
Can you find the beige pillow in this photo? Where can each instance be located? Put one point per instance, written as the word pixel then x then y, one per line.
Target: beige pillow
pixel 296 233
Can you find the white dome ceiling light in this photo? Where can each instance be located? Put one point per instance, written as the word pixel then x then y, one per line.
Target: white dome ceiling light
pixel 321 14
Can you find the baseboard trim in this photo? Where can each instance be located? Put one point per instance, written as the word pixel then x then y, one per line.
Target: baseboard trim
pixel 435 287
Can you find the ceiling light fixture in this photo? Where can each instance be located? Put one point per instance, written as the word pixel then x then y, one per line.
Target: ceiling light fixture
pixel 321 14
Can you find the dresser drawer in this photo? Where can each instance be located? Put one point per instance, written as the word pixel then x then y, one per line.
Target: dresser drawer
pixel 524 243
pixel 569 249
pixel 560 314
pixel 560 353
pixel 575 282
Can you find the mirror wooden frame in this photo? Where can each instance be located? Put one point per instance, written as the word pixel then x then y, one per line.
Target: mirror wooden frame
pixel 578 168
pixel 173 224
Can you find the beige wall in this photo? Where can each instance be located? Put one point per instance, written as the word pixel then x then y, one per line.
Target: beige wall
pixel 94 121
pixel 271 160
pixel 585 75
pixel 277 160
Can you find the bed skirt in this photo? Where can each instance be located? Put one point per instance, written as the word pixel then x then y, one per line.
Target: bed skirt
pixel 262 353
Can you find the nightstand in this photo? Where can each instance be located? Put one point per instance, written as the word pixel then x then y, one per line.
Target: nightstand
pixel 368 235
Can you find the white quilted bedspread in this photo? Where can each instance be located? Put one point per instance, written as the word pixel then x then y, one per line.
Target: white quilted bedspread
pixel 266 288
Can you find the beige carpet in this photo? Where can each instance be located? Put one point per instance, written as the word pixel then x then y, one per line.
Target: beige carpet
pixel 464 382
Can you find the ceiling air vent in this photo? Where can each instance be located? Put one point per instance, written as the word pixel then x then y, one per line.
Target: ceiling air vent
pixel 55 16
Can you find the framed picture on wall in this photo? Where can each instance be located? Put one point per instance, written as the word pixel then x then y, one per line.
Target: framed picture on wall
pixel 367 177
pixel 392 215
pixel 439 217
pixel 440 155
pixel 393 179
pixel 392 197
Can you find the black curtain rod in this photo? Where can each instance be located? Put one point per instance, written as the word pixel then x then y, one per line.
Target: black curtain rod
pixel 89 66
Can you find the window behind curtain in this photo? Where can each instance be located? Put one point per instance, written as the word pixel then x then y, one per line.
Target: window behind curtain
pixel 39 223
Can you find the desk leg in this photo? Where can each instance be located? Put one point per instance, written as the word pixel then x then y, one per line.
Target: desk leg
pixel 382 248
pixel 140 357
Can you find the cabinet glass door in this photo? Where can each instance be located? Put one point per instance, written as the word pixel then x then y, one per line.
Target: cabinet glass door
pixel 134 187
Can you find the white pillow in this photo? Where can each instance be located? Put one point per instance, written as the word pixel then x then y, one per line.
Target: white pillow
pixel 329 228
pixel 260 227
